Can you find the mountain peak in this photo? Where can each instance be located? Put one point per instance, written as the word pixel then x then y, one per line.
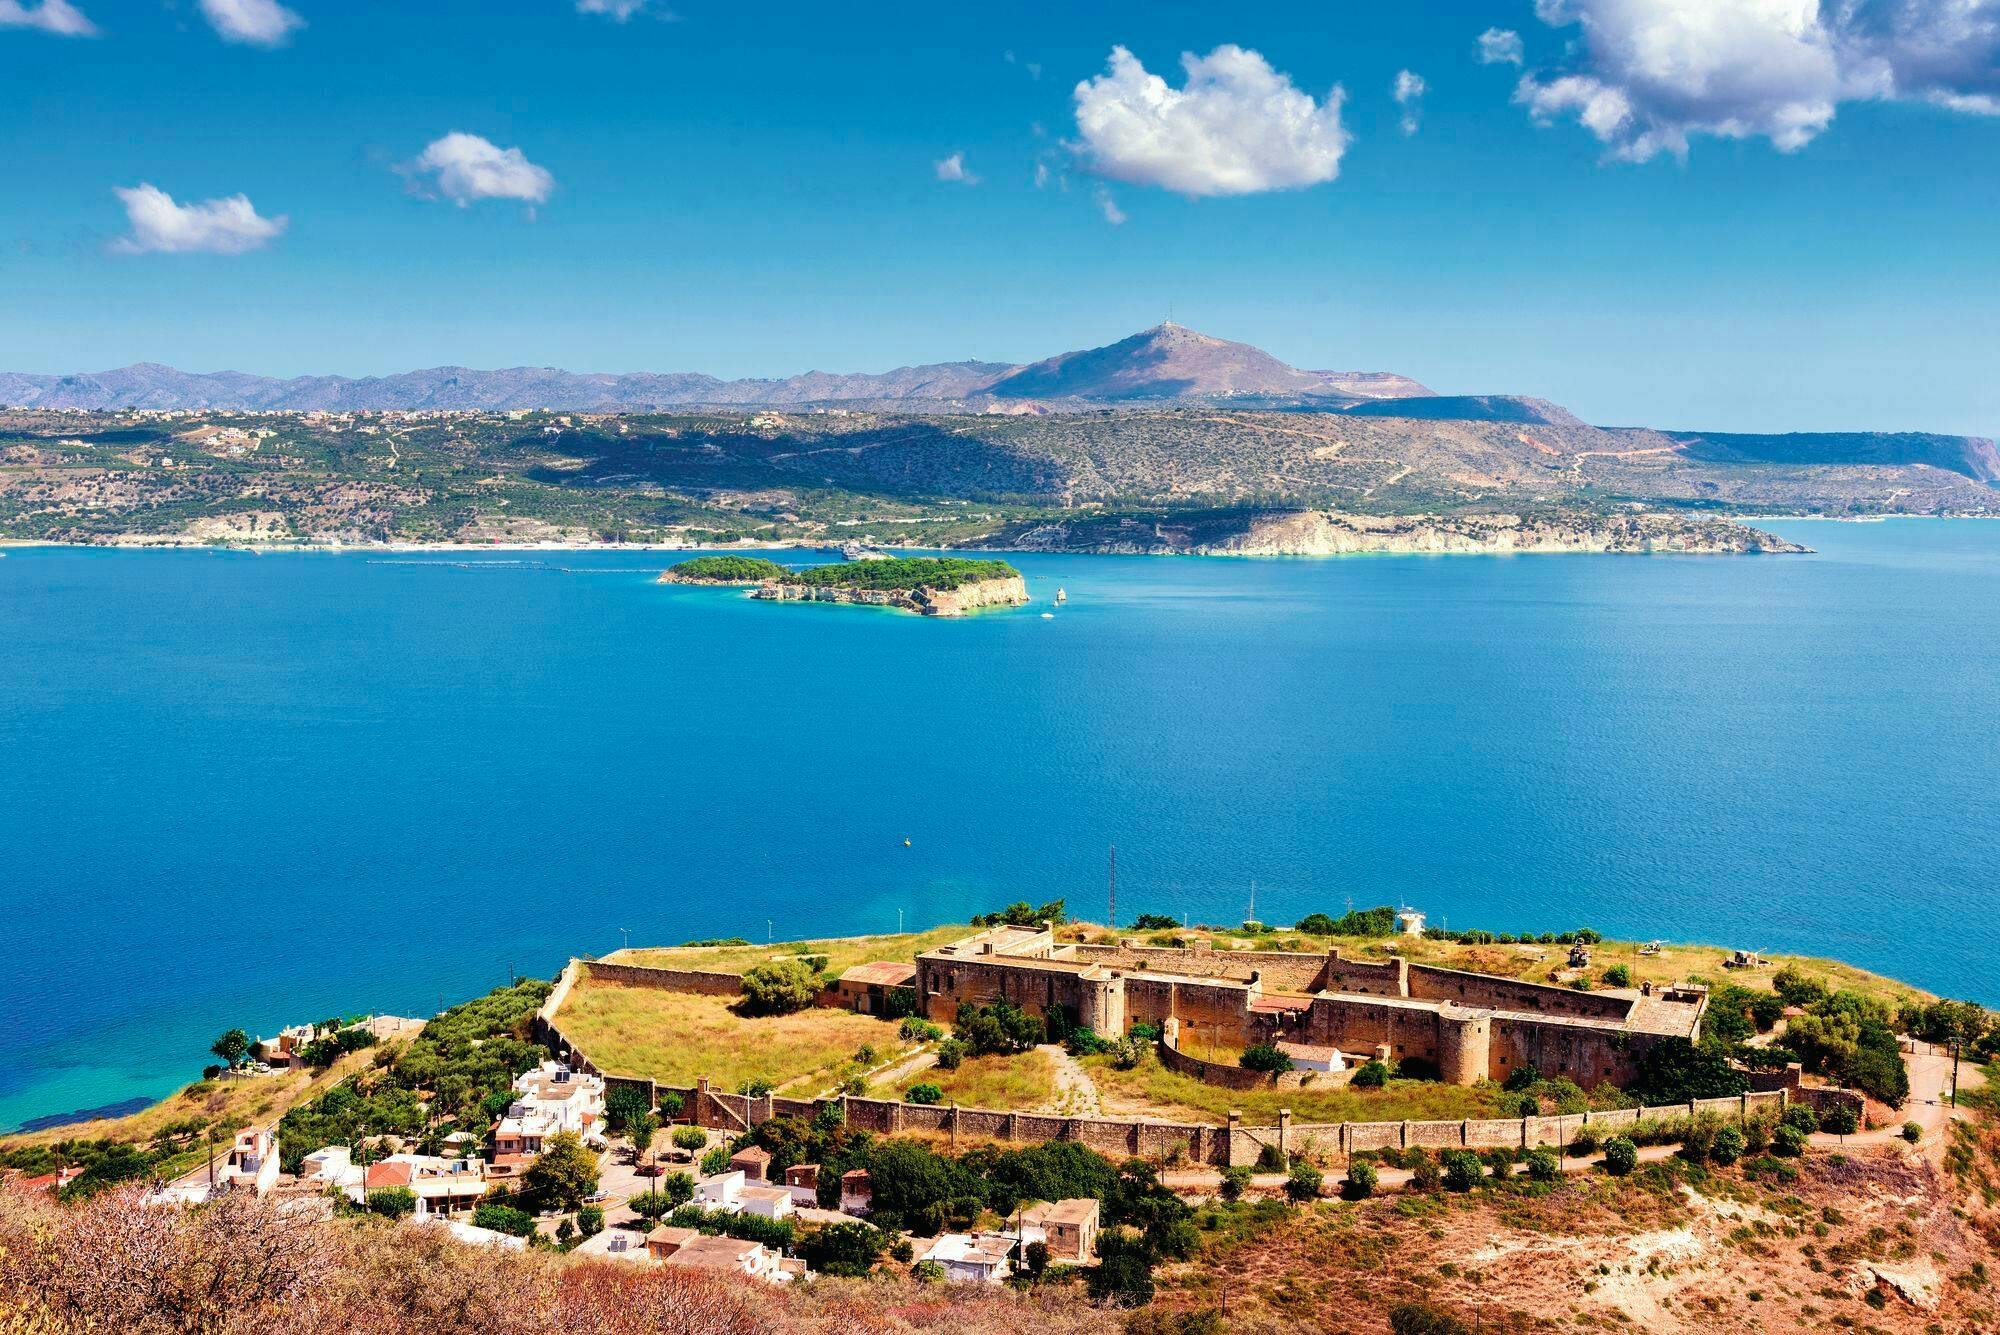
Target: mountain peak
pixel 1172 361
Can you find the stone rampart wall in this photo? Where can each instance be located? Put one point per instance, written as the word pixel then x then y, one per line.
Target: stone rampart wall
pixel 1280 970
pixel 1430 983
pixel 707 982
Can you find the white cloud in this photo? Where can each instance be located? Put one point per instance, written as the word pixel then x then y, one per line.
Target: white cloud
pixel 1501 46
pixel 618 11
pixel 1237 127
pixel 1409 92
pixel 1041 175
pixel 1650 75
pixel 953 168
pixel 253 22
pixel 1109 207
pixel 465 168
pixel 217 226
pixel 54 16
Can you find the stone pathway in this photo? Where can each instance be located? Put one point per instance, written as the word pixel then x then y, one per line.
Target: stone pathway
pixel 1076 1093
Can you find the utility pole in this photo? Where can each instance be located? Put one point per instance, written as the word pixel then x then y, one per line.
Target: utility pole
pixel 627 932
pixel 1111 909
pixel 899 922
pixel 1253 901
pixel 767 931
pixel 1954 1070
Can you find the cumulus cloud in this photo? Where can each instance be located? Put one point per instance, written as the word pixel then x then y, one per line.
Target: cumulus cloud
pixel 465 168
pixel 1409 91
pixel 252 22
pixel 953 168
pixel 1650 75
pixel 53 16
pixel 1236 127
pixel 215 226
pixel 1501 46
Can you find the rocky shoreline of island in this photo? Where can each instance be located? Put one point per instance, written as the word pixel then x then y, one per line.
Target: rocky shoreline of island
pixel 928 586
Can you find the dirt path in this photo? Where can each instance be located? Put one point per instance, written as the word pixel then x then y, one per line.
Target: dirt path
pixel 1076 1093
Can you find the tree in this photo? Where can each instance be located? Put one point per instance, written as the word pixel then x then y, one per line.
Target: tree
pixel 1124 1273
pixel 503 1219
pixel 232 1047
pixel 925 1093
pixel 951 1052
pixel 690 1137
pixel 1264 1057
pixel 1303 1184
pixel 1362 1179
pixel 1797 987
pixel 590 1221
pixel 1235 1180
pixel 392 1202
pixel 1036 1256
pixel 779 987
pixel 1153 922
pixel 844 1249
pixel 715 1161
pixel 1840 1120
pixel 1673 1070
pixel 563 1174
pixel 641 1129
pixel 1370 1075
pixel 1618 976
pixel 623 1104
pixel 1621 1156
pixel 1424 1319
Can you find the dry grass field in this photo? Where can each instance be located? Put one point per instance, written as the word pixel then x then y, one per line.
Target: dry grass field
pixel 1150 1090
pixel 1024 1082
pixel 841 952
pixel 675 1037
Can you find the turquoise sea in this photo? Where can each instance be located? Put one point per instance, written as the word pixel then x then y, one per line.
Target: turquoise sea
pixel 244 789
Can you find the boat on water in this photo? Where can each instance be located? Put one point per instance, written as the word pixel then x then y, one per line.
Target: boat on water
pixel 855 551
pixel 1061 597
pixel 1048 616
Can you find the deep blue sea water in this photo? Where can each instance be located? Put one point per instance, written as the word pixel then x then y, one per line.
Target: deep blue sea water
pixel 243 789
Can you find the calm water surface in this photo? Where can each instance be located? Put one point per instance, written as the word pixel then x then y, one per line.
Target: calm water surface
pixel 240 789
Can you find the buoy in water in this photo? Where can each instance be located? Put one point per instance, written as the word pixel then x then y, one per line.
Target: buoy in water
pixel 906 843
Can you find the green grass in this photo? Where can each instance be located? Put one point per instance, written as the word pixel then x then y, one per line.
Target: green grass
pixel 1024 1082
pixel 841 952
pixel 677 1037
pixel 1150 1090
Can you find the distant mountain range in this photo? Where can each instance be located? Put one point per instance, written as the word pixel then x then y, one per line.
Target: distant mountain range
pixel 1163 364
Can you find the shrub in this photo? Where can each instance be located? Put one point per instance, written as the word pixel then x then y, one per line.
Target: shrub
pixel 715 1161
pixel 1424 1319
pixel 1543 1165
pixel 755 1088
pixel 1370 1075
pixel 1461 1169
pixel 1621 1156
pixel 1424 1175
pixel 1271 1159
pixel 925 1093
pixel 1840 1120
pixel 1235 1180
pixel 1144 1032
pixel 1128 1052
pixel 590 1220
pixel 1698 1143
pixel 1912 1132
pixel 690 1137
pixel 1757 1135
pixel 1583 1144
pixel 1618 976
pixel 1264 1057
pixel 915 1030
pixel 503 1219
pixel 1084 1041
pixel 1361 1181
pixel 392 1202
pixel 1801 1116
pixel 1727 1147
pixel 779 987
pixel 951 1052
pixel 928 1272
pixel 865 1055
pixel 1788 1141
pixel 1303 1183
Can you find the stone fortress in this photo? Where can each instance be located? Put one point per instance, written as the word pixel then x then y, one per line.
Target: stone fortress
pixel 1468 1026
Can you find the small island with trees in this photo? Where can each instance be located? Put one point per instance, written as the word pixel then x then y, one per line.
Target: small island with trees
pixel 943 586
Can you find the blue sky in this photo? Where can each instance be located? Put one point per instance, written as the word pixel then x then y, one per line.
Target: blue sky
pixel 1687 213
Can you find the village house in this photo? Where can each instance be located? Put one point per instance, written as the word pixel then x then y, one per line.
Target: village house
pixel 802 1180
pixel 617 1244
pixel 753 1161
pixel 667 1239
pixel 1068 1228
pixel 856 1191
pixel 866 987
pixel 441 1186
pixel 978 1258
pixel 703 1252
pixel 549 1099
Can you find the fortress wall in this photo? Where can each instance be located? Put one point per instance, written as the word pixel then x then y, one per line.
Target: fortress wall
pixel 1362 1026
pixel 1282 970
pixel 1036 988
pixel 1211 1073
pixel 1430 983
pixel 1465 1046
pixel 1587 1056
pixel 704 981
pixel 1220 1007
pixel 1385 978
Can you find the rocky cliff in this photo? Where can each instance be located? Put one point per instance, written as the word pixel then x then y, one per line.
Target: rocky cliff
pixel 1011 591
pixel 1333 533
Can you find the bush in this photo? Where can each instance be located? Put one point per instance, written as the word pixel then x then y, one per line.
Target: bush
pixel 1801 1116
pixel 1264 1057
pixel 1727 1146
pixel 1235 1180
pixel 1757 1135
pixel 1618 976
pixel 715 1161
pixel 505 1219
pixel 865 1055
pixel 1461 1169
pixel 1270 1159
pixel 690 1137
pixel 915 1030
pixel 1912 1132
pixel 1840 1120
pixel 1424 1175
pixel 1424 1319
pixel 1621 1156
pixel 951 1052
pixel 590 1220
pixel 1084 1041
pixel 1303 1184
pixel 392 1202
pixel 928 1272
pixel 1698 1142
pixel 1543 1165
pixel 1370 1075
pixel 779 987
pixel 1788 1141
pixel 925 1093
pixel 1583 1144
pixel 1361 1181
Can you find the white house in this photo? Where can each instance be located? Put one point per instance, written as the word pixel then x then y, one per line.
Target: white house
pixel 441 1186
pixel 980 1258
pixel 549 1099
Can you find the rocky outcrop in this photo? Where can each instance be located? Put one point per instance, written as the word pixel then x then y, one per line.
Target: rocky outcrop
pixel 1009 592
pixel 1334 533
